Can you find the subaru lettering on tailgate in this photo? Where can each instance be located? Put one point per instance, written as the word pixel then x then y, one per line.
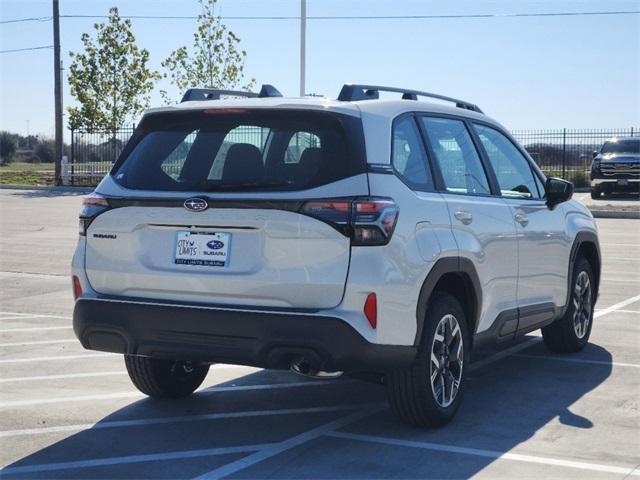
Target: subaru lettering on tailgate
pixel 202 248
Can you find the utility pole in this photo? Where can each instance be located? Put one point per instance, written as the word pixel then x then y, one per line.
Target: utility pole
pixel 57 82
pixel 303 44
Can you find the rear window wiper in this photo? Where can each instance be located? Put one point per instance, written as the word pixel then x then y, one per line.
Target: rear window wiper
pixel 220 185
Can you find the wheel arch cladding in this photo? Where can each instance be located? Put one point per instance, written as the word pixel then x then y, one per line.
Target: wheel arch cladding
pixel 458 277
pixel 586 244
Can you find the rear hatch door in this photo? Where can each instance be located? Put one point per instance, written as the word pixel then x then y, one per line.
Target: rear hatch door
pixel 207 209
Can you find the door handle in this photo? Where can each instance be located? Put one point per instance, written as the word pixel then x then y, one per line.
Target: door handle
pixel 463 216
pixel 522 219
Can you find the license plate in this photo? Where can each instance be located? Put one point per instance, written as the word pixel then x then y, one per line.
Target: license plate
pixel 623 181
pixel 202 248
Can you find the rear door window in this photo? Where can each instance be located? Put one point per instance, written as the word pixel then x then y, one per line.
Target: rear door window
pixel 456 155
pixel 216 150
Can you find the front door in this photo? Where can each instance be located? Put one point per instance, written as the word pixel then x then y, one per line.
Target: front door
pixel 542 242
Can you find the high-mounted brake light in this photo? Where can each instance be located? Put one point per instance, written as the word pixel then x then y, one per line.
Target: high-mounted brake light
pixel 220 111
pixel 92 206
pixel 368 221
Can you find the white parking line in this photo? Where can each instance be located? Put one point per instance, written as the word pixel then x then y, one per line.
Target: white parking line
pixel 58 357
pixel 33 329
pixel 217 366
pixel 617 306
pixel 136 394
pixel 292 442
pixel 496 455
pixel 33 315
pixel 60 376
pixel 619 244
pixel 39 342
pixel 151 457
pixel 180 419
pixel 621 311
pixel 577 360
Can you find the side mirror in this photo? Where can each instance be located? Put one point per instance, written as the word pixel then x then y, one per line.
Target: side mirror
pixel 595 153
pixel 557 191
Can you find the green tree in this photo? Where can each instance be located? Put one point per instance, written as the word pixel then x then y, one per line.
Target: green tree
pixel 110 79
pixel 215 61
pixel 8 147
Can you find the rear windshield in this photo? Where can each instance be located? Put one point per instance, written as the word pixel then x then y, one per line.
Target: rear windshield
pixel 622 146
pixel 239 150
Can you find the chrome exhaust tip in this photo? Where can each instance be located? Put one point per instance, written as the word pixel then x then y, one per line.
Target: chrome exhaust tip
pixel 302 367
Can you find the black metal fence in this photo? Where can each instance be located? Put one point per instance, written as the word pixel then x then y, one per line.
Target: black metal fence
pixel 93 153
pixel 564 153
pixel 567 153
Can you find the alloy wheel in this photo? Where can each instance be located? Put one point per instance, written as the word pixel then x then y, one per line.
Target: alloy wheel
pixel 447 354
pixel 582 304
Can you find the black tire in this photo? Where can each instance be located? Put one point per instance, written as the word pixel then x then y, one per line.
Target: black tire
pixel 595 193
pixel 161 378
pixel 562 336
pixel 411 395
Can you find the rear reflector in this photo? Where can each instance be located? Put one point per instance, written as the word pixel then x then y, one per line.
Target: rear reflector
pixel 371 309
pixel 77 288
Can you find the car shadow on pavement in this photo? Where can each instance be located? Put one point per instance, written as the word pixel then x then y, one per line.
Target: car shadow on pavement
pixel 507 402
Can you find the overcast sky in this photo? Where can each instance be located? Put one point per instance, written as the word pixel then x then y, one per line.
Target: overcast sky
pixel 528 72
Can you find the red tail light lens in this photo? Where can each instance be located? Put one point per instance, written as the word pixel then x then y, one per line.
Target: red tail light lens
pixel 77 288
pixel 368 221
pixel 371 309
pixel 92 206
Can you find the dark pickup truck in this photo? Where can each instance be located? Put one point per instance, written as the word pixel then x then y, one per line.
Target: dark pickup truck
pixel 616 167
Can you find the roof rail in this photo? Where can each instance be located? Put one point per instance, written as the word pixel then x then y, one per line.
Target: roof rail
pixel 215 94
pixel 356 92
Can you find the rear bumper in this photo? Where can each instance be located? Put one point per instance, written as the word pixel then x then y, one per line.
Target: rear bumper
pixel 263 339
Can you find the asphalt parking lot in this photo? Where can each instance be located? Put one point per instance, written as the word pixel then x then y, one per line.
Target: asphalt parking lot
pixel 70 413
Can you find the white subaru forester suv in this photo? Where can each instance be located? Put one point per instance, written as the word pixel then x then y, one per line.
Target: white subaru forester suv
pixel 354 235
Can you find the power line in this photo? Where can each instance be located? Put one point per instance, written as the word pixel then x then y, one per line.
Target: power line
pixel 371 17
pixel 26 49
pixel 339 17
pixel 30 19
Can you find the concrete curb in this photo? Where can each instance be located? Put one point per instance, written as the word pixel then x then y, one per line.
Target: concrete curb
pixel 52 188
pixel 633 214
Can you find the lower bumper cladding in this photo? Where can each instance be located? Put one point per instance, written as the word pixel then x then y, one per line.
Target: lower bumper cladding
pixel 262 339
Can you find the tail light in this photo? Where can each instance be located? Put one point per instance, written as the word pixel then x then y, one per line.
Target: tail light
pixel 92 206
pixel 368 221
pixel 77 288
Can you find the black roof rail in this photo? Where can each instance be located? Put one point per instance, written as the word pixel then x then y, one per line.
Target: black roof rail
pixel 215 94
pixel 356 92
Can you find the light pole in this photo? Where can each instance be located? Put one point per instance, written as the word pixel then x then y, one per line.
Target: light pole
pixel 303 44
pixel 57 81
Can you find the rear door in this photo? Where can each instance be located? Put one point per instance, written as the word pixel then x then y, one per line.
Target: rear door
pixel 482 223
pixel 209 209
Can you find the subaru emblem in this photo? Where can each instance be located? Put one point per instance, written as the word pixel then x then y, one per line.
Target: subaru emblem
pixel 195 204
